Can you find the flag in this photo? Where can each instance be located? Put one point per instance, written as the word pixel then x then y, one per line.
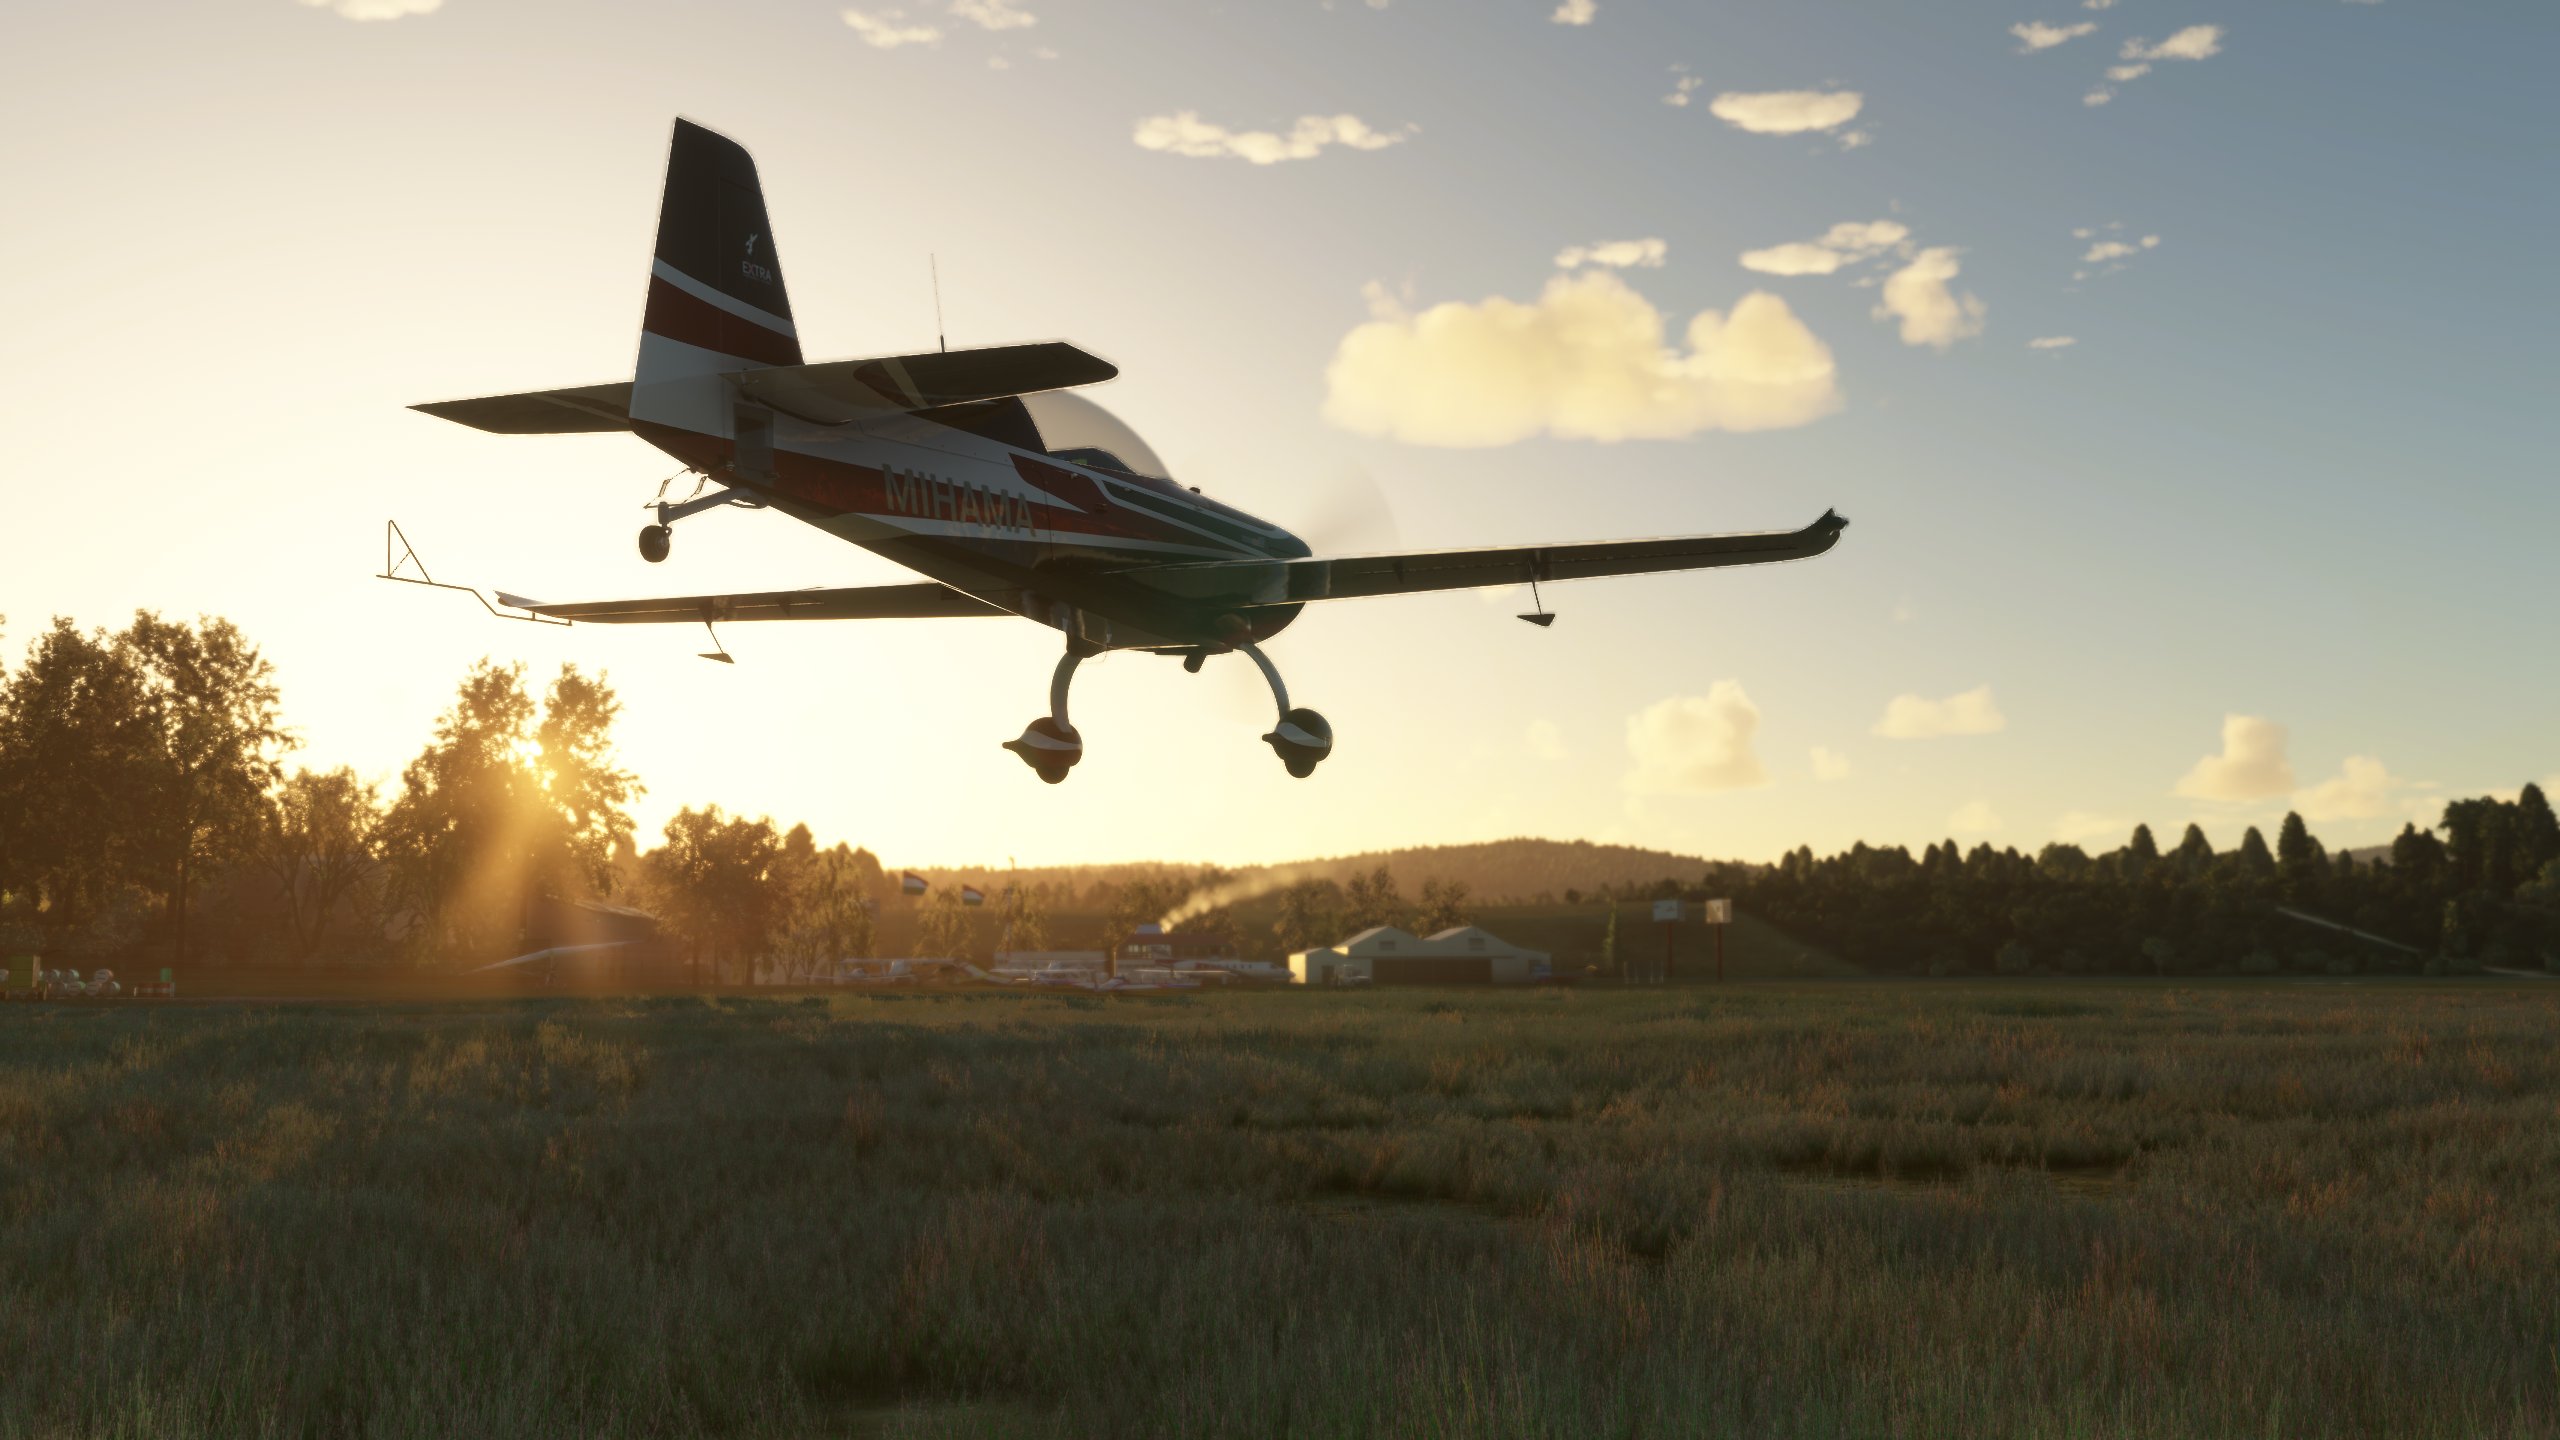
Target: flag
pixel 911 882
pixel 972 895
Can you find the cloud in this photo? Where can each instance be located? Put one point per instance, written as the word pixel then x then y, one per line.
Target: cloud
pixel 2035 35
pixel 1829 764
pixel 1914 717
pixel 1648 252
pixel 1787 112
pixel 2252 765
pixel 1974 817
pixel 1575 12
pixel 2106 250
pixel 2097 4
pixel 1696 744
pixel 1682 89
pixel 1931 314
pixel 2196 42
pixel 888 30
pixel 994 14
pixel 1187 134
pixel 2361 790
pixel 1843 244
pixel 1586 360
pixel 2052 342
pixel 376 9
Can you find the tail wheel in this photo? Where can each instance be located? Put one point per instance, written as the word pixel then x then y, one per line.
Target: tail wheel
pixel 654 542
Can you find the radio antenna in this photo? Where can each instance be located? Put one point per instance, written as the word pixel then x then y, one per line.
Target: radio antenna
pixel 939 333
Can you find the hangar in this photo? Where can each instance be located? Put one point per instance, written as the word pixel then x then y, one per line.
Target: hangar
pixel 1385 955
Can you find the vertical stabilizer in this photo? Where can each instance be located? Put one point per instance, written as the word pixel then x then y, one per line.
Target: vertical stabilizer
pixel 716 302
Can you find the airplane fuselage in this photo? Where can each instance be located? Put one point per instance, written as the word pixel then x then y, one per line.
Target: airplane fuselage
pixel 1033 533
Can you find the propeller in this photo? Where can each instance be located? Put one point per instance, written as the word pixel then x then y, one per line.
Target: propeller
pixel 1347 514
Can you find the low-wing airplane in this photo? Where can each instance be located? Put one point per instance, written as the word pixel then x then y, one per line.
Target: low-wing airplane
pixel 980 470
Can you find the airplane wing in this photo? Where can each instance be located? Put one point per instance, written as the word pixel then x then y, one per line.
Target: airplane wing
pixel 927 601
pixel 834 392
pixel 1250 583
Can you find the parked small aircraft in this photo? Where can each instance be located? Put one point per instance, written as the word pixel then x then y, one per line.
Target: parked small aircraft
pixel 981 471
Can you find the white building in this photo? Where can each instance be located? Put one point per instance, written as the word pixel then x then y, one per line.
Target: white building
pixel 1385 955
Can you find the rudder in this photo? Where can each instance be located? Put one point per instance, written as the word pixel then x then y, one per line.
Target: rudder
pixel 716 298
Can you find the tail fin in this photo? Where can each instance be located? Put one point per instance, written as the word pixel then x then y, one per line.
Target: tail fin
pixel 716 302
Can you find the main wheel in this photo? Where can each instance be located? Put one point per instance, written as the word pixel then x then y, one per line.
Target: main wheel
pixel 1302 740
pixel 654 541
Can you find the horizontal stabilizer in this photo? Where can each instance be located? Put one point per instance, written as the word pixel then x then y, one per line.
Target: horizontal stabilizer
pixel 840 392
pixel 927 601
pixel 1249 583
pixel 588 409
pixel 835 392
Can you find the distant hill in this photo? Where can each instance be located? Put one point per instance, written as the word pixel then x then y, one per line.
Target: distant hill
pixel 1516 871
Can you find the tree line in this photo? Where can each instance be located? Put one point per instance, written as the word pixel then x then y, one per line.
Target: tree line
pixel 2485 891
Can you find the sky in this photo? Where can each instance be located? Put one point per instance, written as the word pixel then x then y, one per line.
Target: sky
pixel 2184 367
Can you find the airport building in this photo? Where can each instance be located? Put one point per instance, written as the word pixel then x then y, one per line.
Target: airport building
pixel 1385 955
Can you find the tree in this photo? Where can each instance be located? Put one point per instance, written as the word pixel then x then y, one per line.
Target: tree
pixel 829 912
pixel 1371 900
pixel 508 801
pixel 75 774
pixel 2143 850
pixel 1444 906
pixel 717 885
pixel 317 844
pixel 212 730
pixel 950 928
pixel 2255 862
pixel 2194 855
pixel 2537 831
pixel 2299 858
pixel 1310 915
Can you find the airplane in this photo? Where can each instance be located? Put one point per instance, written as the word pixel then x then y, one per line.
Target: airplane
pixel 981 470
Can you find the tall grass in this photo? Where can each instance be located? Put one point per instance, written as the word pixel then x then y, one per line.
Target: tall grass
pixel 1844 1210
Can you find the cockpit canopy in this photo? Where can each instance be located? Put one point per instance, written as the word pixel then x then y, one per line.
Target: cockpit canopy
pixel 1058 423
pixel 1080 432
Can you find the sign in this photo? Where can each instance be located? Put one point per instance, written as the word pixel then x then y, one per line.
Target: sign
pixel 1719 912
pixel 1667 911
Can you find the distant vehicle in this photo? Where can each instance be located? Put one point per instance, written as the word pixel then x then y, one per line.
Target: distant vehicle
pixel 978 470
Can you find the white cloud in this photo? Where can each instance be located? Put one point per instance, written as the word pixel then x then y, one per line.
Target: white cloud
pixel 2361 790
pixel 1696 744
pixel 1829 764
pixel 1974 817
pixel 2097 4
pixel 1843 244
pixel 1931 314
pixel 1915 717
pixel 1620 254
pixel 2196 42
pixel 2122 73
pixel 994 14
pixel 888 30
pixel 1575 12
pixel 1682 89
pixel 2108 250
pixel 2252 765
pixel 1586 360
pixel 2035 35
pixel 2099 96
pixel 1546 740
pixel 1856 139
pixel 1787 112
pixel 376 9
pixel 2052 342
pixel 1187 134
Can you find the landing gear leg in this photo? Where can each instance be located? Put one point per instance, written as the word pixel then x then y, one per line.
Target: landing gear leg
pixel 1049 745
pixel 1302 739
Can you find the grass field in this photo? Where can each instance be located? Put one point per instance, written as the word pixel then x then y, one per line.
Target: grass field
pixel 1842 1209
